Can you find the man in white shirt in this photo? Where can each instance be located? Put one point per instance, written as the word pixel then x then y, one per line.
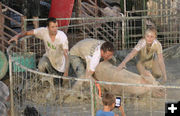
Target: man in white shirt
pixel 89 52
pixel 55 60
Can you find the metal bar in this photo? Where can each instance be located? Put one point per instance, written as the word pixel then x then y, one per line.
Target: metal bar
pixel 138 85
pixel 11 86
pixel 92 98
pixel 12 10
pixel 123 33
pixel 10 29
pixel 18 24
pixel 89 10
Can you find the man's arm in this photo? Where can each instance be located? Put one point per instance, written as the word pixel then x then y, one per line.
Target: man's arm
pixel 66 63
pixel 162 65
pixel 128 58
pixel 22 34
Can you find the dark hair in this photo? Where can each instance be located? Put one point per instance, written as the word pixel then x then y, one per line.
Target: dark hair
pixel 107 46
pixel 108 99
pixel 114 4
pixel 31 111
pixel 51 19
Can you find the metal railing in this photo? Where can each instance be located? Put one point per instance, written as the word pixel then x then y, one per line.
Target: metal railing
pixel 7 19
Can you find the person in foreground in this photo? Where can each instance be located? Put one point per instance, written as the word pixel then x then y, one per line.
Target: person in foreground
pixel 108 105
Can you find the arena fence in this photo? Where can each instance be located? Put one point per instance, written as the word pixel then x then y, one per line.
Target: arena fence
pixel 124 32
pixel 49 96
pixel 45 92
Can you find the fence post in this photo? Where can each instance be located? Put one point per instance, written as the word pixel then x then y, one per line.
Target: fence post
pixel 11 86
pixel 92 98
pixel 24 28
pixel 78 8
pixel 123 33
pixel 22 23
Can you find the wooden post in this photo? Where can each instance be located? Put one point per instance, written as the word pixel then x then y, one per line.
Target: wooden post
pixel 22 23
pixel 11 86
pixel 23 28
pixel 96 8
pixel 78 9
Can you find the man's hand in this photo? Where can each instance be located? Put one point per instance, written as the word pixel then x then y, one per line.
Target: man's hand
pixel 65 74
pixel 15 38
pixel 121 66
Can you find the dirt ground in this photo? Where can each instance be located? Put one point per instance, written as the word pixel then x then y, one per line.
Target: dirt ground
pixel 134 106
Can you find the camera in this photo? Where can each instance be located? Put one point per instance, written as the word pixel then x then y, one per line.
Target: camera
pixel 118 102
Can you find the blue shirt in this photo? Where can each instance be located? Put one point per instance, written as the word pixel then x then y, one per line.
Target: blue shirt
pixel 102 113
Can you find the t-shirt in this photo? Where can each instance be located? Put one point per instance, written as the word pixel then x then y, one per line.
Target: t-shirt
pixel 143 49
pixel 102 113
pixel 89 50
pixel 94 58
pixel 54 50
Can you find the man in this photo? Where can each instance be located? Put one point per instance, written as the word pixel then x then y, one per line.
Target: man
pixel 55 60
pixel 89 52
pixel 150 54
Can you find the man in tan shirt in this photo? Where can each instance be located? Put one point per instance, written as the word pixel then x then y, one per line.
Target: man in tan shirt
pixel 86 54
pixel 150 54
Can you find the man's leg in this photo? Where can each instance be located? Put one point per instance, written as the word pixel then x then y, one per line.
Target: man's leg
pixel 77 65
pixel 79 68
pixel 45 66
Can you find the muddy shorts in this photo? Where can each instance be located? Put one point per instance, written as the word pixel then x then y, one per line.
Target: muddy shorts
pixel 45 66
pixel 78 65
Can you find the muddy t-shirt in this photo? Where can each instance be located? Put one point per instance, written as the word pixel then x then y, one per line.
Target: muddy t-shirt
pixel 89 50
pixel 146 53
pixel 54 50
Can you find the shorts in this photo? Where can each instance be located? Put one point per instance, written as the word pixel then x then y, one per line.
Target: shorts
pixel 31 8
